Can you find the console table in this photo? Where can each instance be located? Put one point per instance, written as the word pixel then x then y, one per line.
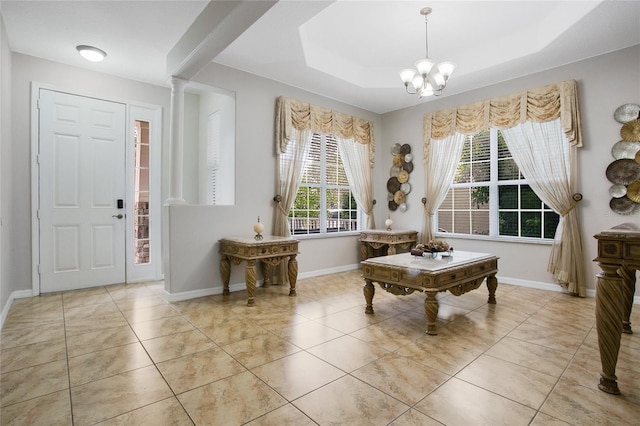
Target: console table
pixel 403 274
pixel 619 258
pixel 270 251
pixel 372 240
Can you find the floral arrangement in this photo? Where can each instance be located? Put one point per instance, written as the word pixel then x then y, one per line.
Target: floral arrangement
pixel 437 245
pixel 433 246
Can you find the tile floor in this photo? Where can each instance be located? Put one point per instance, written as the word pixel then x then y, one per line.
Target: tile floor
pixel 122 355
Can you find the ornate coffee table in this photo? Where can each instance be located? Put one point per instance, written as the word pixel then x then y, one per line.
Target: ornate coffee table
pixel 402 274
pixel 270 251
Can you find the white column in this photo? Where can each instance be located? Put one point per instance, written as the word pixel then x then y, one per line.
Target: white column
pixel 177 140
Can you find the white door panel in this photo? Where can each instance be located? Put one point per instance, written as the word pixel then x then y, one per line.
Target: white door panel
pixel 82 175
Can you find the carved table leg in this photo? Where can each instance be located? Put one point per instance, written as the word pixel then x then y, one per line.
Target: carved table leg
pixel 369 291
pixel 431 309
pixel 364 251
pixel 293 274
pixel 225 272
pixel 392 250
pixel 609 325
pixel 492 285
pixel 266 274
pixel 250 279
pixel 628 291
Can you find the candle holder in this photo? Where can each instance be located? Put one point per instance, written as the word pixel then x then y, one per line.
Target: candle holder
pixel 258 228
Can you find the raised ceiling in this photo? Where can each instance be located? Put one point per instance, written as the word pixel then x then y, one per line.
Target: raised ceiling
pixel 347 50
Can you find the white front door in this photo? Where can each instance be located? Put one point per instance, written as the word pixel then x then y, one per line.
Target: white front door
pixel 82 176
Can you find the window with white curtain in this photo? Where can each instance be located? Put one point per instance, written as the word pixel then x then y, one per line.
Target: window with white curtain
pixel 490 197
pixel 324 203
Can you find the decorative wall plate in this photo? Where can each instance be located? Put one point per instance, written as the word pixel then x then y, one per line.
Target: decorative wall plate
pixel 398 160
pixel 625 149
pixel 399 197
pixel 403 176
pixel 622 205
pixel 633 191
pixel 408 167
pixel 623 172
pixel 405 149
pixel 395 149
pixel 393 172
pixel 405 187
pixel 627 112
pixel 617 191
pixel 393 206
pixel 631 131
pixel 402 207
pixel 393 185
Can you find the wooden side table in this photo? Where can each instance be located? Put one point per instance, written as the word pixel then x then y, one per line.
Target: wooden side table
pixel 619 258
pixel 373 239
pixel 270 251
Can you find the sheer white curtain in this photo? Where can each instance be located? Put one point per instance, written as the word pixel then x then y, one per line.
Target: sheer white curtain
pixel 545 158
pixel 358 166
pixel 291 160
pixel 441 157
pixel 290 165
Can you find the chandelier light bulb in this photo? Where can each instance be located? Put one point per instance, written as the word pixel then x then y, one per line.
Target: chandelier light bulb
pixel 428 77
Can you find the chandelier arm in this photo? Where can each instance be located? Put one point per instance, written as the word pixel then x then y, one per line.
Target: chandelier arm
pixel 426 36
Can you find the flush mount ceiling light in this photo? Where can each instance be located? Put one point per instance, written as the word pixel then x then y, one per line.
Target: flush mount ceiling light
pixel 427 78
pixel 91 53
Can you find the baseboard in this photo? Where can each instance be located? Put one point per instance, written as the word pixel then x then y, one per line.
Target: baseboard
pixel 328 271
pixel 186 295
pixel 18 294
pixel 530 284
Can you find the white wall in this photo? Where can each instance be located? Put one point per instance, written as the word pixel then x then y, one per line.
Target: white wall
pixel 7 283
pixel 604 83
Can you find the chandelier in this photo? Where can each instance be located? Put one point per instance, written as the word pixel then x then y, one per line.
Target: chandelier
pixel 427 78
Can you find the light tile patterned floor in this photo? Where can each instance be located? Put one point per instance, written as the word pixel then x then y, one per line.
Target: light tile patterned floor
pixel 121 355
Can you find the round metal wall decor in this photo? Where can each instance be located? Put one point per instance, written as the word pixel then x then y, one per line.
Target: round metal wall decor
pixel 625 149
pixel 633 191
pixel 617 191
pixel 631 131
pixel 398 184
pixel 627 112
pixel 393 184
pixel 624 171
pixel 622 205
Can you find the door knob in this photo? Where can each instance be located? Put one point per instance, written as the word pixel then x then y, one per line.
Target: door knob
pixel 118 216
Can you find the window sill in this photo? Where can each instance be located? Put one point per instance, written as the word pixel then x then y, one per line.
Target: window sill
pixel 541 241
pixel 326 235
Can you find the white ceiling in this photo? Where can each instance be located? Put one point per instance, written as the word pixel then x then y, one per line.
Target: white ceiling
pixel 348 50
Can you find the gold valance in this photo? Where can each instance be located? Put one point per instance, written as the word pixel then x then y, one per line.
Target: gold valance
pixel 540 105
pixel 292 114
